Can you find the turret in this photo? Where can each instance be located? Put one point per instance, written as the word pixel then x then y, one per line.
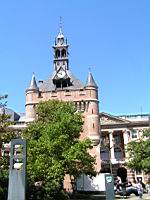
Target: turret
pixel 31 96
pixel 92 115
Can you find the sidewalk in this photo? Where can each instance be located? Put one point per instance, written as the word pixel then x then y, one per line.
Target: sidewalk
pixel 117 197
pixel 133 197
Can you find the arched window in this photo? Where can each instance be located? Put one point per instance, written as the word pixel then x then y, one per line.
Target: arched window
pixel 104 154
pixel 63 53
pixel 57 53
pixel 118 153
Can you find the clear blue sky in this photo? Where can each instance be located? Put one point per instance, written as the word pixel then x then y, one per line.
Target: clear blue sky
pixel 112 37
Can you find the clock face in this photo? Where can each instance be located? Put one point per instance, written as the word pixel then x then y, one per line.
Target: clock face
pixel 61 74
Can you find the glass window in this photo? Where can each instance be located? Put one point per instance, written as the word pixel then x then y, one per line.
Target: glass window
pixel 117 139
pixel 134 134
pixel 118 153
pixel 104 154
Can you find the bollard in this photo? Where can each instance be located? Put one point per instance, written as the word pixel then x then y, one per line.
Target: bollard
pixel 17 171
pixel 109 185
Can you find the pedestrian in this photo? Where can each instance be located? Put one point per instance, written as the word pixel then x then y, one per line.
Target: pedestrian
pixel 140 189
pixel 148 188
pixel 118 183
pixel 134 184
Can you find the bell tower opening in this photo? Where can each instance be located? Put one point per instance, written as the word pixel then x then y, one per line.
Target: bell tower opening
pixel 57 53
pixel 63 53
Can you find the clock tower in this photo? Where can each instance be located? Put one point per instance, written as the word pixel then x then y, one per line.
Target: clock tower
pixel 63 85
pixel 61 78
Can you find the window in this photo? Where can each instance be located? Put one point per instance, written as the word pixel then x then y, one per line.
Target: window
pixel 104 154
pixel 93 125
pixel 134 134
pixel 63 53
pixel 57 53
pixel 117 139
pixel 118 153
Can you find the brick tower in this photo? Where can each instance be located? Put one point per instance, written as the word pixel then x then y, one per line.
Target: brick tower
pixel 63 85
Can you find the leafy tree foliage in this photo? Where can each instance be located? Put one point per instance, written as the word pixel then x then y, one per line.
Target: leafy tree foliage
pixel 54 149
pixel 139 153
pixel 6 135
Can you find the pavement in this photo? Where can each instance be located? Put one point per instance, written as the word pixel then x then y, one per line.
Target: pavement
pixel 117 197
pixel 133 197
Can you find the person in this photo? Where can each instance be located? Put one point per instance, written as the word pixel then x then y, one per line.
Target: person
pixel 118 183
pixel 148 188
pixel 129 184
pixel 134 184
pixel 140 189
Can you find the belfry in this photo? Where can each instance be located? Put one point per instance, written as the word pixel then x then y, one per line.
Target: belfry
pixel 63 85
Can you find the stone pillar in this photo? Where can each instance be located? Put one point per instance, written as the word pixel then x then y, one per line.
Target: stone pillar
pixel 125 137
pixel 112 154
pixel 126 140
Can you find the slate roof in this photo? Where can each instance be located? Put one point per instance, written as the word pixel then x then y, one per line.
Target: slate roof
pixel 13 115
pixel 33 84
pixel 90 81
pixel 48 85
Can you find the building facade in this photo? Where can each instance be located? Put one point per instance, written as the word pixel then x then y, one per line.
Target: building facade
pixel 116 133
pixel 64 86
pixel 110 134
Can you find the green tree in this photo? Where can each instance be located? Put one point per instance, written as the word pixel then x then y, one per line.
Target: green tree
pixel 139 153
pixel 54 148
pixel 6 135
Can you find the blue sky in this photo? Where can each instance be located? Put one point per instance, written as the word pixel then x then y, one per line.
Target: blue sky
pixel 111 37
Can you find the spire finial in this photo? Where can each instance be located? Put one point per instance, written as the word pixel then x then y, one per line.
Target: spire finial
pixel 89 69
pixel 60 24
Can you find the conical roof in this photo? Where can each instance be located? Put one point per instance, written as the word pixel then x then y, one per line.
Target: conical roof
pixel 60 34
pixel 90 81
pixel 33 84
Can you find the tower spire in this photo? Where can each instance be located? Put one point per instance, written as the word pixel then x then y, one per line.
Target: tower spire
pixel 33 84
pixel 60 25
pixel 90 81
